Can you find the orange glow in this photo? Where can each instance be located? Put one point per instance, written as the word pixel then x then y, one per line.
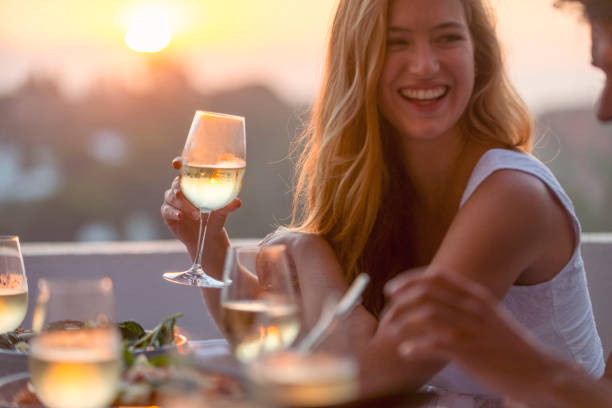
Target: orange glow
pixel 273 338
pixel 273 332
pixel 180 339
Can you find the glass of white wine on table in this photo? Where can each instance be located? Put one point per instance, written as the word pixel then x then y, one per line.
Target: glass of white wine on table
pixel 213 164
pixel 75 354
pixel 324 374
pixel 13 285
pixel 259 309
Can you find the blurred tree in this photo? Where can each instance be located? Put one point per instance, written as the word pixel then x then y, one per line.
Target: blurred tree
pixel 113 148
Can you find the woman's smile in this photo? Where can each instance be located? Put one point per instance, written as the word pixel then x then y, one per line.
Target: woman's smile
pixel 424 98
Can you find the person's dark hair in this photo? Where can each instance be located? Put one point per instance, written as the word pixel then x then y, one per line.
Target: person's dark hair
pixel 593 9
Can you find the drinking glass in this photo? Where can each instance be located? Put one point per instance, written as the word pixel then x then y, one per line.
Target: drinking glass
pixel 259 311
pixel 13 284
pixel 321 377
pixel 214 159
pixel 75 354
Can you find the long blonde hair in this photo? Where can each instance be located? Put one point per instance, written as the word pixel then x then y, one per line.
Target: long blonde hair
pixel 343 170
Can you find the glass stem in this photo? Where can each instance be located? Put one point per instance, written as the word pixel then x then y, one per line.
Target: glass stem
pixel 202 236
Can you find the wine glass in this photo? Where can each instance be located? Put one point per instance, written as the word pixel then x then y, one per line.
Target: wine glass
pixel 322 376
pixel 214 159
pixel 13 284
pixel 75 355
pixel 259 311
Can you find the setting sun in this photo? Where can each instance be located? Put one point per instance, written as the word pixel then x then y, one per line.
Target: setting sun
pixel 149 31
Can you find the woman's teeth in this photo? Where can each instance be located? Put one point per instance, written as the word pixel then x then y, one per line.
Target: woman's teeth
pixel 424 95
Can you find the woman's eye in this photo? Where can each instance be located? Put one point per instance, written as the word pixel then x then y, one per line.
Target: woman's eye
pixel 392 42
pixel 450 38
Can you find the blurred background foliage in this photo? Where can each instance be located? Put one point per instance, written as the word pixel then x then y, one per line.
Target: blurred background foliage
pixel 95 168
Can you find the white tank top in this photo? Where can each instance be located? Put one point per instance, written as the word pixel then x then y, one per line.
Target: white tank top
pixel 558 312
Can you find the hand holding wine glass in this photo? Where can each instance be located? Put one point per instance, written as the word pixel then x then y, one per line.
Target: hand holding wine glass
pixel 183 220
pixel 75 355
pixel 13 284
pixel 212 171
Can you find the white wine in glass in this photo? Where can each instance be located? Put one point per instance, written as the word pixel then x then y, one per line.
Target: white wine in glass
pixel 259 311
pixel 13 284
pixel 214 159
pixel 75 359
pixel 325 375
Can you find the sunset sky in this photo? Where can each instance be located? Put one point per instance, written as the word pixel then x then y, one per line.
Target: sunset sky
pixel 277 42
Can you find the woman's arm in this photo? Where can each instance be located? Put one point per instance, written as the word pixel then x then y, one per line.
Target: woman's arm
pixel 511 230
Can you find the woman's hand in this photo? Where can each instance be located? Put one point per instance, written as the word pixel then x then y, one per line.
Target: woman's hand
pixel 183 219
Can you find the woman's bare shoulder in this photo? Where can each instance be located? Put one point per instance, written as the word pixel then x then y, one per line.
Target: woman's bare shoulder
pixel 509 188
pixel 519 204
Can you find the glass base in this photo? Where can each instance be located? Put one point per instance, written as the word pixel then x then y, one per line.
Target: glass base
pixel 193 278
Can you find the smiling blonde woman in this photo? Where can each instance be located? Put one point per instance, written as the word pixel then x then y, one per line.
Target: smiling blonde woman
pixel 417 158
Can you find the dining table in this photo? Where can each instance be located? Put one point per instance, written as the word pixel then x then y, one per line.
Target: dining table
pixel 213 356
pixel 142 295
